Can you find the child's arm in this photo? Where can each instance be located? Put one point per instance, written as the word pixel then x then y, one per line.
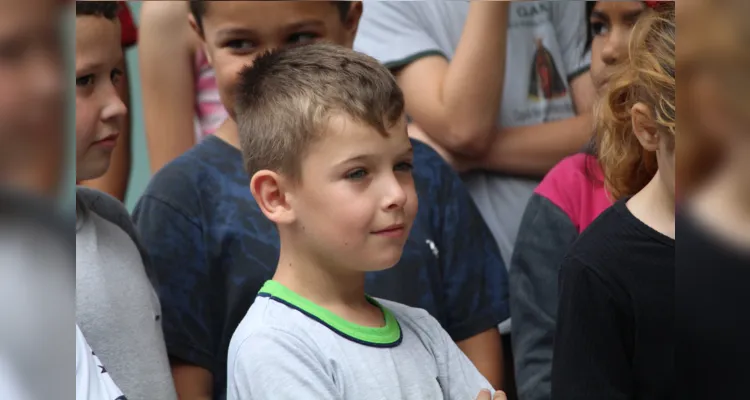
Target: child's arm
pixel 457 375
pixel 473 274
pixel 166 54
pixel 460 100
pixel 173 237
pixel 274 365
pixel 545 235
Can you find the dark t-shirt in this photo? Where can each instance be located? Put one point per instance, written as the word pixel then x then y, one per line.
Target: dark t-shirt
pixel 615 326
pixel 212 249
pixel 713 315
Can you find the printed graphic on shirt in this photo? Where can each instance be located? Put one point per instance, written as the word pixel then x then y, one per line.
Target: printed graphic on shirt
pixel 545 79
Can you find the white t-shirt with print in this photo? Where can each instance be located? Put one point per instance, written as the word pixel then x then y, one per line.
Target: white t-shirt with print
pixel 545 51
pixel 92 380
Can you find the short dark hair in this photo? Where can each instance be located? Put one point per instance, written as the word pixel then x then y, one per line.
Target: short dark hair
pixel 286 98
pixel 198 9
pixel 106 9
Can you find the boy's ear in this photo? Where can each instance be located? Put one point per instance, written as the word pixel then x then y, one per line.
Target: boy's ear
pixel 352 20
pixel 644 127
pixel 270 192
pixel 199 31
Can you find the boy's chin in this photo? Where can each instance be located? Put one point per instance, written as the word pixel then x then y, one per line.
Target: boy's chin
pixel 91 169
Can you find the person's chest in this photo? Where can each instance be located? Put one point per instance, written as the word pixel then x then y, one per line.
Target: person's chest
pixel 535 88
pixel 408 371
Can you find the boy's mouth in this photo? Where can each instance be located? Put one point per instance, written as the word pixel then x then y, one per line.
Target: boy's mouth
pixel 394 230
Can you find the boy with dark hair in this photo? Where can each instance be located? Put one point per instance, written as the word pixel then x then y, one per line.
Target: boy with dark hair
pixel 213 249
pixel 323 135
pixel 116 307
pixel 115 180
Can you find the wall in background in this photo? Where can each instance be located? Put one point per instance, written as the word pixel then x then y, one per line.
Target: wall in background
pixel 140 173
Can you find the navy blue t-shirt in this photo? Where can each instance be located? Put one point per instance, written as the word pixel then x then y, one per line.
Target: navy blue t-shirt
pixel 212 249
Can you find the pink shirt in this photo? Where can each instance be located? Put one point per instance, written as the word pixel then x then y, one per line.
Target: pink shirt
pixel 570 186
pixel 209 111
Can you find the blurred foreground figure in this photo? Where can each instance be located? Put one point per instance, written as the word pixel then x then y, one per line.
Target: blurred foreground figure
pixel 713 255
pixel 36 246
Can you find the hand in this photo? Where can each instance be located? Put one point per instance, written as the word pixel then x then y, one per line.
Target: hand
pixel 459 163
pixel 485 395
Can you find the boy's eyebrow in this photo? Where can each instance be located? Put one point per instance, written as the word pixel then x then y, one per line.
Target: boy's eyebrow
pixel 91 66
pixel 291 27
pixel 366 156
pixel 235 32
pixel 304 24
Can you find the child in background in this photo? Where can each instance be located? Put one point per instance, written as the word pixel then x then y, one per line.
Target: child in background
pixel 714 187
pixel 323 135
pixel 116 306
pixel 115 180
pixel 615 329
pixel 213 249
pixel 178 92
pixel 31 100
pixel 568 199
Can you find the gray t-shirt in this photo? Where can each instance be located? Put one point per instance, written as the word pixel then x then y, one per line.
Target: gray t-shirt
pixel 116 306
pixel 545 51
pixel 287 347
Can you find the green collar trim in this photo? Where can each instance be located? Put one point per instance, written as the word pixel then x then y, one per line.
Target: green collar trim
pixel 386 336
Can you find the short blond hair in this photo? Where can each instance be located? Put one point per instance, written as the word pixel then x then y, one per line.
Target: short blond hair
pixel 287 97
pixel 649 78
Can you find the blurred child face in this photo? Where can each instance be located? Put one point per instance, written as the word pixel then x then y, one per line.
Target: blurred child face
pixel 31 84
pixel 99 110
pixel 236 32
pixel 356 201
pixel 611 24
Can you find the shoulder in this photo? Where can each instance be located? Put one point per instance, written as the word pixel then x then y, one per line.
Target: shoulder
pixel 268 326
pixel 412 318
pixel 188 175
pixel 575 185
pixel 104 206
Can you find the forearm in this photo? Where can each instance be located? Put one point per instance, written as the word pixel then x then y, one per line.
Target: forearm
pixel 473 86
pixel 534 150
pixel 191 382
pixel 485 351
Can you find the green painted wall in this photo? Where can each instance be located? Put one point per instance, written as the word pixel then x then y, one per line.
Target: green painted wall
pixel 140 173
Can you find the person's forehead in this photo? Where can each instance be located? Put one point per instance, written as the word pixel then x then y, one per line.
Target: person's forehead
pixel 253 11
pixel 97 41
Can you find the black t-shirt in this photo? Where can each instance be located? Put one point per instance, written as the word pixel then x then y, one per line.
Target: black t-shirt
pixel 713 316
pixel 615 326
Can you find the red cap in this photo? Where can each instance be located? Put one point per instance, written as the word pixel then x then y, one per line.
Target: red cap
pixel 655 4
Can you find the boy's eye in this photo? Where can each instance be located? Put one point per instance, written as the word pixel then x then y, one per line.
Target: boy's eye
pixel 302 37
pixel 84 81
pixel 240 44
pixel 598 28
pixel 116 75
pixel 356 174
pixel 404 166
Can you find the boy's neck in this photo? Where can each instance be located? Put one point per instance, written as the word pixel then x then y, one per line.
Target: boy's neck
pixel 228 132
pixel 325 286
pixel 654 206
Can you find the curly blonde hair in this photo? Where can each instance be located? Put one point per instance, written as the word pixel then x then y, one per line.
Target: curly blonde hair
pixel 716 40
pixel 649 78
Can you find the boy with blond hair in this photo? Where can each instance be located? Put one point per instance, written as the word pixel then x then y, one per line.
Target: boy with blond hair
pixel 323 134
